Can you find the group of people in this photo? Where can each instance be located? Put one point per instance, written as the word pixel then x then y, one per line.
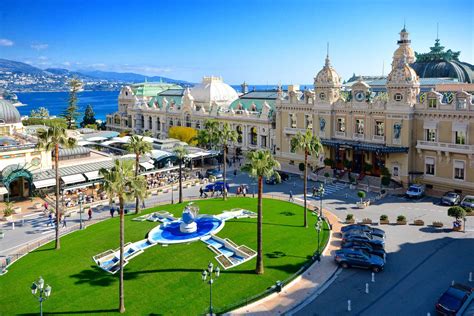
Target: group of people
pixel 157 180
pixel 62 219
pixel 242 189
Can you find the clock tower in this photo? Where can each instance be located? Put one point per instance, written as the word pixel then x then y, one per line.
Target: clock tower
pixel 327 84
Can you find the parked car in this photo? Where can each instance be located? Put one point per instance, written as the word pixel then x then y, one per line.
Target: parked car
pixel 283 176
pixel 415 191
pixel 359 258
pixel 216 187
pixel 366 228
pixel 453 299
pixel 359 235
pixel 372 249
pixel 215 173
pixel 450 198
pixel 468 201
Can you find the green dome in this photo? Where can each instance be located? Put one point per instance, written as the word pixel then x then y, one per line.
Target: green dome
pixel 8 113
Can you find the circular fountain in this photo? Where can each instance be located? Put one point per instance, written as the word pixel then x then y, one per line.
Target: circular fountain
pixel 190 227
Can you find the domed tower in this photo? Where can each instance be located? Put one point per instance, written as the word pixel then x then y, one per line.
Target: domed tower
pixel 327 83
pixel 404 49
pixel 402 82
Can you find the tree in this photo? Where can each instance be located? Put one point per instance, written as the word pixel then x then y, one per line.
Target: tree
pixel 51 139
pixel 59 121
pixel 122 182
pixel 71 113
pixel 456 212
pixel 226 136
pixel 212 128
pixel 89 117
pixel 41 113
pixel 311 145
pixel 136 145
pixel 261 164
pixel 181 153
pixel 183 133
pixel 361 195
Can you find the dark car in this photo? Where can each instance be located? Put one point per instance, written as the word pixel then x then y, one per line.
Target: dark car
pixel 216 187
pixel 453 299
pixel 359 258
pixel 373 250
pixel 366 228
pixel 358 235
pixel 215 173
pixel 283 177
pixel 451 198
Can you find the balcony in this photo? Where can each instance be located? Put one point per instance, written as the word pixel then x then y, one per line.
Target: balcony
pixel 340 134
pixel 290 130
pixel 446 147
pixel 358 136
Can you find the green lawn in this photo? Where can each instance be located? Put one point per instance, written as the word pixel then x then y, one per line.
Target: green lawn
pixel 162 280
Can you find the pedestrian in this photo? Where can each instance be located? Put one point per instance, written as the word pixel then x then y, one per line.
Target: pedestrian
pixel 314 191
pixel 235 172
pixel 238 191
pixel 244 191
pixel 143 204
pixel 46 206
pixel 50 221
pixel 112 210
pixel 89 212
pixel 291 199
pixel 64 222
pixel 201 192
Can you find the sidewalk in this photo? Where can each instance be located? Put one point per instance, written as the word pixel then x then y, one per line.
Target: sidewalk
pixel 304 286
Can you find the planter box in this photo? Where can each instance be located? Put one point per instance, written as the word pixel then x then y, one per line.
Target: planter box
pixel 361 205
pixel 2 235
pixel 351 221
pixel 418 222
pixel 401 222
pixel 384 222
pixel 437 224
pixel 366 221
pixel 456 229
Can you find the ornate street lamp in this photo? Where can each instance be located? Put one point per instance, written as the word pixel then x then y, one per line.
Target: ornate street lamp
pixel 40 292
pixel 81 200
pixel 321 194
pixel 207 274
pixel 317 226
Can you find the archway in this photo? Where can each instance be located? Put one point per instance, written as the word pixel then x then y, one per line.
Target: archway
pixel 18 181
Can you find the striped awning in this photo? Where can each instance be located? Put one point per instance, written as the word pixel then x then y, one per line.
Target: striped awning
pixel 93 175
pixel 75 178
pixel 147 165
pixel 44 183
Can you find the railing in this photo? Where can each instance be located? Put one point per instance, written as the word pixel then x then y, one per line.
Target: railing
pixel 358 136
pixel 449 147
pixel 340 134
pixel 378 138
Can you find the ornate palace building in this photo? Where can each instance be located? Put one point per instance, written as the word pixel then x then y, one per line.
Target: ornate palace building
pixel 417 129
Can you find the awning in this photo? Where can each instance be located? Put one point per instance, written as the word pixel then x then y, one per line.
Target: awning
pixel 364 146
pixel 147 165
pixel 3 190
pixel 44 183
pixel 429 161
pixel 93 175
pixel 192 156
pixel 459 164
pixel 460 127
pixel 430 125
pixel 96 139
pixel 75 178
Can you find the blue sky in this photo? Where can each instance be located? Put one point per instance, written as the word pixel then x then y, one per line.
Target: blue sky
pixel 266 41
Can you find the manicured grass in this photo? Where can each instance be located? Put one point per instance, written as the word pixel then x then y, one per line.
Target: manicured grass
pixel 162 280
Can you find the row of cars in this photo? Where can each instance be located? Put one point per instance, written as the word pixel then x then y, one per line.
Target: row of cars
pixel 416 191
pixel 362 246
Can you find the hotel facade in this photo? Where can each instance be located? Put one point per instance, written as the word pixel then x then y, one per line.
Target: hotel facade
pixel 418 129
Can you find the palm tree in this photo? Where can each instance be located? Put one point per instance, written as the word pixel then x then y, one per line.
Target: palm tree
pixel 226 136
pixel 311 146
pixel 121 181
pixel 50 139
pixel 138 146
pixel 181 153
pixel 212 129
pixel 261 164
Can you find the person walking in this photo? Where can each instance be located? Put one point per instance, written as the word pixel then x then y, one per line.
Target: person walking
pixel 64 222
pixel 50 219
pixel 201 192
pixel 291 199
pixel 244 191
pixel 112 210
pixel 235 172
pixel 89 212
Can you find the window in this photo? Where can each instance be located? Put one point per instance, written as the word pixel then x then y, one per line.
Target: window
pixel 341 124
pixel 359 126
pixel 460 137
pixel 239 134
pixel 322 96
pixel 308 119
pixel 429 166
pixel 178 123
pixel 188 120
pixel 171 122
pixel 292 120
pixel 253 136
pixel 432 103
pixel 263 141
pixel 150 122
pixel 158 124
pixel 198 124
pixel 398 97
pixel 379 128
pixel 458 169
pixel 396 171
pixel 431 135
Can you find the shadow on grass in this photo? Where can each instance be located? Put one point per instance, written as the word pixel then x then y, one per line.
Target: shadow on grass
pixel 287 213
pixel 266 223
pixel 288 268
pixel 47 249
pixel 281 254
pixel 97 311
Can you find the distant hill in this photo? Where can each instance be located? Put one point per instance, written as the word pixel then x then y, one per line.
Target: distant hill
pixel 64 72
pixel 129 77
pixel 19 67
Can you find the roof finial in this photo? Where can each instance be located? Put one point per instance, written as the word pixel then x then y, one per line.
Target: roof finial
pixel 327 50
pixel 437 31
pixel 328 62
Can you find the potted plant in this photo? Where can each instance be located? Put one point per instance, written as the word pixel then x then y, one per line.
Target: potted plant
pixel 384 220
pixel 401 220
pixel 8 211
pixel 418 222
pixel 361 195
pixel 437 224
pixel 457 212
pixel 2 234
pixel 368 168
pixel 326 175
pixel 367 221
pixel 350 219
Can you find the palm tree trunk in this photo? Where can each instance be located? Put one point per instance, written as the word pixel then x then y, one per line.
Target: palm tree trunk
pixel 180 182
pixel 137 165
pixel 305 182
pixel 259 268
pixel 224 192
pixel 122 241
pixel 56 169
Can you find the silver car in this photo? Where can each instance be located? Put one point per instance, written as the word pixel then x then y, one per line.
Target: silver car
pixel 468 201
pixel 450 198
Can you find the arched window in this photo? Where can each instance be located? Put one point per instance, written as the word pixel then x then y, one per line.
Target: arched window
pixel 239 134
pixel 188 120
pixel 253 136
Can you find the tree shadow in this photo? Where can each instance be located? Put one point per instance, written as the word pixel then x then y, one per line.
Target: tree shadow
pixel 435 230
pixel 287 213
pixel 95 277
pixel 97 311
pixel 267 223
pixel 47 249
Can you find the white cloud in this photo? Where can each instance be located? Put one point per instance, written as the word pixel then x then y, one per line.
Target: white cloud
pixel 6 42
pixel 43 58
pixel 98 65
pixel 66 63
pixel 39 46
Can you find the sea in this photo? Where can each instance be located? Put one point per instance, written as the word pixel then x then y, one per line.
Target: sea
pixel 103 102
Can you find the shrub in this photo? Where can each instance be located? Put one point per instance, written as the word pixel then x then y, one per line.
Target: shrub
pixel 456 212
pixel 361 195
pixel 347 164
pixel 326 175
pixel 401 218
pixel 368 167
pixel 8 210
pixel 385 180
pixel 349 217
pixel 383 217
pixel 301 166
pixel 328 162
pixel 45 121
pixel 184 134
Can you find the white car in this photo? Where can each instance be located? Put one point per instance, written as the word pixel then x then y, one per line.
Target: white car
pixel 415 191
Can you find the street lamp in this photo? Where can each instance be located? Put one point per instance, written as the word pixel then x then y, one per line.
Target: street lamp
pixel 207 274
pixel 43 294
pixel 317 226
pixel 81 199
pixel 321 193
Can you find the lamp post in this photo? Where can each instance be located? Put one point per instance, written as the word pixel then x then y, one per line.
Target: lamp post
pixel 317 226
pixel 81 199
pixel 43 294
pixel 207 274
pixel 321 193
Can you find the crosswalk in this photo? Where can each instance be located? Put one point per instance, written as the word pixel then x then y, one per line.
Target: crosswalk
pixel 328 190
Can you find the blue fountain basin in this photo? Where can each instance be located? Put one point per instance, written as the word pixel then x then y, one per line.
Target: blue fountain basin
pixel 169 233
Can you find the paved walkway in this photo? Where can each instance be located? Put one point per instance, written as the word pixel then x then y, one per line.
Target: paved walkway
pixel 304 286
